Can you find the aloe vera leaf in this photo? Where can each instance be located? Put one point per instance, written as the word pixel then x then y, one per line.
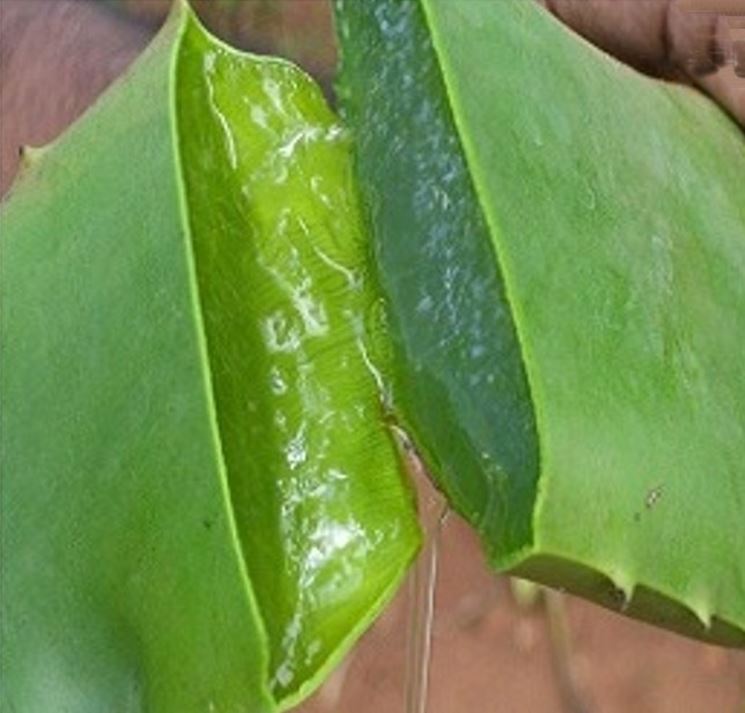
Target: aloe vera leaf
pixel 598 218
pixel 290 318
pixel 180 532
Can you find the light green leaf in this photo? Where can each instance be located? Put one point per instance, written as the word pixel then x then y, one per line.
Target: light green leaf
pixel 562 245
pixel 202 507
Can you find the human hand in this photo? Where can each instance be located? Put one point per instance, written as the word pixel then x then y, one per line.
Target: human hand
pixel 700 42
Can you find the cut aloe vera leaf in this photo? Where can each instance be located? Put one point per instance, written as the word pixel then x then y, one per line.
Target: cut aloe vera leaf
pixel 561 242
pixel 202 506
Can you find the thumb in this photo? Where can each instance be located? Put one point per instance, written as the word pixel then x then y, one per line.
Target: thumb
pixel 700 42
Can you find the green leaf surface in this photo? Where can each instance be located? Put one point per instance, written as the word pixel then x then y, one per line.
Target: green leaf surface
pixel 202 506
pixel 561 242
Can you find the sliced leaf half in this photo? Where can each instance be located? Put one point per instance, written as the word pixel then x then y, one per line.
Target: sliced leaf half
pixel 202 506
pixel 561 242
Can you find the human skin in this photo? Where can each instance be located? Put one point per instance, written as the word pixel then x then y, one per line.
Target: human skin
pixel 699 42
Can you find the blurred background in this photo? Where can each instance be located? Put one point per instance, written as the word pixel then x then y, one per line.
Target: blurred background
pixel 497 647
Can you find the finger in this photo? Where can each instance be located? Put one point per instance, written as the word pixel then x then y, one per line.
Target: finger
pixel 627 29
pixel 692 40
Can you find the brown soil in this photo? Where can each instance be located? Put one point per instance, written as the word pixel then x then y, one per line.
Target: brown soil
pixel 490 655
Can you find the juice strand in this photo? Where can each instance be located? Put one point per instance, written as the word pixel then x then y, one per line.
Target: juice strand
pixel 422 587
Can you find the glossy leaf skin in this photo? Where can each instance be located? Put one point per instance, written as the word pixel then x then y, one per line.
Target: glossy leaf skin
pixel 152 554
pixel 459 381
pixel 323 513
pixel 615 208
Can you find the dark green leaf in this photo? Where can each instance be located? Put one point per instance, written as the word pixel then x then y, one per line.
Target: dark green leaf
pixel 562 245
